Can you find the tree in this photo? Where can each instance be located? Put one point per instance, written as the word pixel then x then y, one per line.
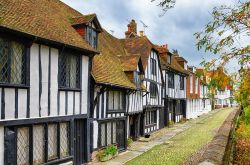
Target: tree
pixel 225 33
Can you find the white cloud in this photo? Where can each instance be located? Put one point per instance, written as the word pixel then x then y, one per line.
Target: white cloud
pixel 175 28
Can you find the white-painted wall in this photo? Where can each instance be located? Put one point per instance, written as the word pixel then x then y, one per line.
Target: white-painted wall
pixel 43 52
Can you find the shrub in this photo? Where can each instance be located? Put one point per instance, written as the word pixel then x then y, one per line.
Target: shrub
pixel 129 141
pixel 171 123
pixel 242 151
pixel 110 150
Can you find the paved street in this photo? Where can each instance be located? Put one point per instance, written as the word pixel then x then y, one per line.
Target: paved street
pixel 169 137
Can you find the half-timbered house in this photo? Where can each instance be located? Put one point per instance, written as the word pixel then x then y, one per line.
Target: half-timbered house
pixel 152 99
pixel 117 105
pixel 205 101
pixel 174 69
pixel 45 70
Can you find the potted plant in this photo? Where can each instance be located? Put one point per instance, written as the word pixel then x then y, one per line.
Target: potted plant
pixel 107 152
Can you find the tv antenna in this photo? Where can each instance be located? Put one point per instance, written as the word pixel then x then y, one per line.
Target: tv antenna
pixel 144 25
pixel 112 31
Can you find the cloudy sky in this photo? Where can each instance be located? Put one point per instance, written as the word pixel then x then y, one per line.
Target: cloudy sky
pixel 175 28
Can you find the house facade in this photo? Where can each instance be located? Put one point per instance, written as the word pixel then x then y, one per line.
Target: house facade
pixel 193 94
pixel 44 85
pixel 205 100
pixel 223 93
pixel 152 80
pixel 174 69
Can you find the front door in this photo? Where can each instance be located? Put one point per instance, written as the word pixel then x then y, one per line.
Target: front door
pixel 120 138
pixel 79 145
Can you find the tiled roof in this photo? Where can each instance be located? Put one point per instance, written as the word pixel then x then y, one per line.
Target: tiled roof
pixel 141 46
pixel 82 19
pixel 107 67
pixel 129 62
pixel 164 53
pixel 45 19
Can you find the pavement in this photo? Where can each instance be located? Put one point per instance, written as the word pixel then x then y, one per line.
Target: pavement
pixel 161 136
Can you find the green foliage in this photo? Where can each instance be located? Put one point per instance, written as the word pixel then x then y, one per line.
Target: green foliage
pixel 110 150
pixel 129 141
pixel 170 123
pixel 223 34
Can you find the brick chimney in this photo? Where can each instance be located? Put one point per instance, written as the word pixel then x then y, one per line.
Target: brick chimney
pixel 132 28
pixel 165 46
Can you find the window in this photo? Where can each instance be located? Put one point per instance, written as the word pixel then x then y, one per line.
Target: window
pixel 137 79
pixel 12 62
pixel 181 83
pixel 153 66
pixel 116 100
pixel 191 83
pixel 169 59
pixel 111 132
pixel 91 37
pixel 42 138
pixel 196 85
pixel 150 117
pixel 170 80
pixel 69 71
pixel 153 90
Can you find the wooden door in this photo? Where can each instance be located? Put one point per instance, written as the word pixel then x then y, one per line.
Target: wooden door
pixel 120 134
pixel 79 145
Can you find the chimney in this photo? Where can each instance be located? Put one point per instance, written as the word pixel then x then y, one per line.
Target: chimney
pixel 132 28
pixel 165 46
pixel 141 33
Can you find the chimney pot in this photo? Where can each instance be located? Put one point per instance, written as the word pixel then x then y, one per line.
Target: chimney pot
pixel 141 33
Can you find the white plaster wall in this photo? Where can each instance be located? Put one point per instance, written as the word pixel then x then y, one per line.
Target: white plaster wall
pixel 22 103
pixel 70 103
pixel 9 103
pixel 95 134
pixel 77 103
pixel 45 73
pixel 54 82
pixel 85 75
pixel 34 81
pixel 2 145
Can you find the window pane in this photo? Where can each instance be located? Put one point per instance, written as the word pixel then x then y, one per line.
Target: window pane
pixel 114 132
pixel 103 134
pixel 23 146
pixel 64 139
pixel 110 100
pixel 109 133
pixel 4 52
pixel 69 70
pixel 12 66
pixel 52 141
pixel 38 144
pixel 116 100
pixel 17 63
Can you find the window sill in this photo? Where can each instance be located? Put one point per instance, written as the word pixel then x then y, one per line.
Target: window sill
pixel 59 161
pixel 14 86
pixel 69 89
pixel 116 111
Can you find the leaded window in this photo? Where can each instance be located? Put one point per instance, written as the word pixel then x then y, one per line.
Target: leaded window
pixel 109 133
pixel 153 90
pixel 153 66
pixel 116 100
pixel 12 62
pixel 170 80
pixel 69 70
pixel 137 79
pixel 39 139
pixel 91 36
pixel 181 83
pixel 150 117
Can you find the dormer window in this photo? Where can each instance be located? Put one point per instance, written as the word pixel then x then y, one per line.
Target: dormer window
pixel 137 79
pixel 169 59
pixel 91 36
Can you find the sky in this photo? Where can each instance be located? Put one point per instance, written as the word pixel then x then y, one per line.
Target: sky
pixel 175 28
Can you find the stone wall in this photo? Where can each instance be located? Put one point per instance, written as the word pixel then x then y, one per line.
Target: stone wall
pixel 218 150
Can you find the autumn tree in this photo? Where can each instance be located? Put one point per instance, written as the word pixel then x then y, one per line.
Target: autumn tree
pixel 227 34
